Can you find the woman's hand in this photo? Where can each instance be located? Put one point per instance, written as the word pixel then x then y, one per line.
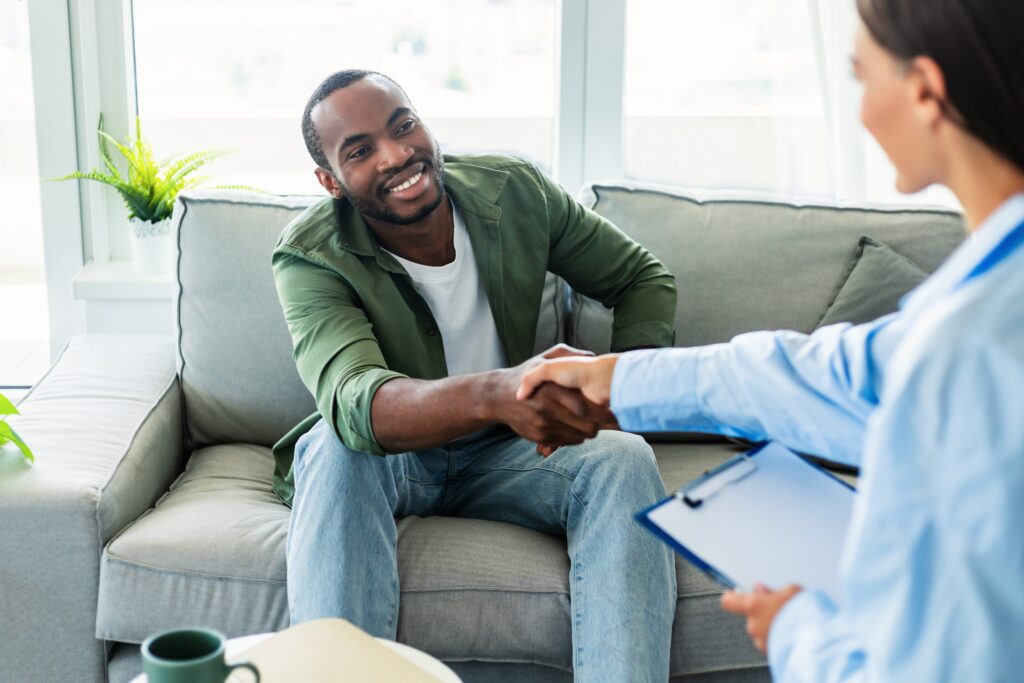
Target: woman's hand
pixel 591 376
pixel 759 608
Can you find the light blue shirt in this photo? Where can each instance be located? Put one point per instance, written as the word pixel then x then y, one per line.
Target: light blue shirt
pixel 929 402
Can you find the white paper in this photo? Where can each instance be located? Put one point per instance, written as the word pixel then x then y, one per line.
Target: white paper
pixel 784 523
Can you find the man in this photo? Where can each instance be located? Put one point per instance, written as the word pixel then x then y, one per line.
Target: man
pixel 412 297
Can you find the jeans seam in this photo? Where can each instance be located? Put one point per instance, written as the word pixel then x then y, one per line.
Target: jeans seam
pixel 552 470
pixel 514 590
pixel 421 482
pixel 449 468
pixel 575 589
pixel 393 606
pixel 504 660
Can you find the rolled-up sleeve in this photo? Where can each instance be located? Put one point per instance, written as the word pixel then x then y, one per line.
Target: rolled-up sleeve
pixel 336 352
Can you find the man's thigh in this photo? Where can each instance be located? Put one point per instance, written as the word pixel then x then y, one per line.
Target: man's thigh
pixel 506 480
pixel 330 473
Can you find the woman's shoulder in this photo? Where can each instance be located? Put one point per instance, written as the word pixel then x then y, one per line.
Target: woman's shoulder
pixel 976 330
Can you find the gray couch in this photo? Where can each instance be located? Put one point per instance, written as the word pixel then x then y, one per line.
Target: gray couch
pixel 150 504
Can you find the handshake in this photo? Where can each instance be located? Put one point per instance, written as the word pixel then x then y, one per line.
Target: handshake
pixel 559 398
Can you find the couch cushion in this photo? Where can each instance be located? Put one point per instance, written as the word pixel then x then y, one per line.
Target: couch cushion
pixel 234 350
pixel 212 553
pixel 878 278
pixel 747 262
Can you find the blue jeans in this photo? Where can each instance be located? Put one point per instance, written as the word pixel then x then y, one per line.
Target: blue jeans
pixel 622 583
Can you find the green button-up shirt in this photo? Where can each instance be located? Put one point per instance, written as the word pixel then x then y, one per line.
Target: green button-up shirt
pixel 357 321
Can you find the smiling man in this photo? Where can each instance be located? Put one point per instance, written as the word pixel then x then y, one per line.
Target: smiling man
pixel 412 295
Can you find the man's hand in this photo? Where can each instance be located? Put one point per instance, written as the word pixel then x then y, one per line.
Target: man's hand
pixel 592 376
pixel 553 416
pixel 760 609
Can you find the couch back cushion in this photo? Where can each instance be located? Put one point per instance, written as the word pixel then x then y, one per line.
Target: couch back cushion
pixel 234 351
pixel 746 262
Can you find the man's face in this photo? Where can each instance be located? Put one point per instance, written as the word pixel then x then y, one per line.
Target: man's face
pixel 383 159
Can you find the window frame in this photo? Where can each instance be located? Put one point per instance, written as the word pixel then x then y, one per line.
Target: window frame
pixel 57 151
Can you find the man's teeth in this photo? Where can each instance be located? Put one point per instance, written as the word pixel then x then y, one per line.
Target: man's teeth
pixel 408 183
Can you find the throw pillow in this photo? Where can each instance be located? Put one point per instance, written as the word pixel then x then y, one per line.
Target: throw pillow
pixel 877 280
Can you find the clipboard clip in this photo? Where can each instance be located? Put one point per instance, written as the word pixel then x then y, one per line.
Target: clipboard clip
pixel 730 472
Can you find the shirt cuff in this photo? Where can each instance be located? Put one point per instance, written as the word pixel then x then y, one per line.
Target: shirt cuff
pixel 806 609
pixel 353 419
pixel 650 333
pixel 656 390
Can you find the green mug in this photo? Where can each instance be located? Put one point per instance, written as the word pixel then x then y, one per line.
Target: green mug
pixel 188 655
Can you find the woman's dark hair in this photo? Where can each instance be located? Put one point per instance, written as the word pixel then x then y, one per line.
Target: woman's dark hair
pixel 979 45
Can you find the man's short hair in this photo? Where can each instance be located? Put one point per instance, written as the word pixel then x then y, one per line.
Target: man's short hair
pixel 335 81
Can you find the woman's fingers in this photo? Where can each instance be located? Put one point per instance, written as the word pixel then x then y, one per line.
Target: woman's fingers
pixel 737 603
pixel 560 372
pixel 592 376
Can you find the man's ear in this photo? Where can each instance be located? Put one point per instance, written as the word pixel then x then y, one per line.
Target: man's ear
pixel 329 182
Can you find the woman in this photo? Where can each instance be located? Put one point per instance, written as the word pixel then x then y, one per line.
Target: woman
pixel 929 401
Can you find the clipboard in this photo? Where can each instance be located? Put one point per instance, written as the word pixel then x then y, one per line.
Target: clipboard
pixel 767 515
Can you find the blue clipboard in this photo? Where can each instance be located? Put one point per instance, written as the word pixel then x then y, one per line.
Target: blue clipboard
pixel 761 494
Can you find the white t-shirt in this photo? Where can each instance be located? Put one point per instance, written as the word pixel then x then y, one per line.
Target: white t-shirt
pixel 456 296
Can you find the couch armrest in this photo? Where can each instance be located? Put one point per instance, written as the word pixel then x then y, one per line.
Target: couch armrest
pixel 105 424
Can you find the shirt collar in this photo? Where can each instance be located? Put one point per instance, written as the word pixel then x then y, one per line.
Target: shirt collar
pixel 972 252
pixel 997 226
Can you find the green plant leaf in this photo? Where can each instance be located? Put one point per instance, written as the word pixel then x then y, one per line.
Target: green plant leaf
pixel 150 187
pixel 91 175
pixel 108 161
pixel 189 164
pixel 134 198
pixel 248 188
pixel 195 181
pixel 136 165
pixel 6 407
pixel 145 152
pixel 7 433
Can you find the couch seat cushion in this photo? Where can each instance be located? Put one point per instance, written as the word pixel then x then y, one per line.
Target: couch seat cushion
pixel 212 553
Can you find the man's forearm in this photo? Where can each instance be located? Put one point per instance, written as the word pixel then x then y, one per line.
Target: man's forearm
pixel 413 414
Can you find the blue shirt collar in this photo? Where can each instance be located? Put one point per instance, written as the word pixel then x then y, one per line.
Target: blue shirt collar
pixel 970 254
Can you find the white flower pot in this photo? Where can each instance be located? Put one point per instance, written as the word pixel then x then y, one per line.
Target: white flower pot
pixel 152 246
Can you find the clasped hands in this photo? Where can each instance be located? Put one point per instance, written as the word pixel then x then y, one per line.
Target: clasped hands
pixel 571 377
pixel 561 397
pixel 549 412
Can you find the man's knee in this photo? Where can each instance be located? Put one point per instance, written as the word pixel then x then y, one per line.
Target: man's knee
pixel 625 450
pixel 322 459
pixel 626 458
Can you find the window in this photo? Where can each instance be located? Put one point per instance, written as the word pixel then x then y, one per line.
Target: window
pixel 236 74
pixel 724 94
pixel 24 352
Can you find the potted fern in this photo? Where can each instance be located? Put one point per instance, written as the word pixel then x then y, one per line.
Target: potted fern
pixel 149 190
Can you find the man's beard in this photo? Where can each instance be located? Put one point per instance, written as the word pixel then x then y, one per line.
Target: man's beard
pixel 378 210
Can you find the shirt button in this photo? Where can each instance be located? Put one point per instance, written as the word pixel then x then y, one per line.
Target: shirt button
pixel 431 331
